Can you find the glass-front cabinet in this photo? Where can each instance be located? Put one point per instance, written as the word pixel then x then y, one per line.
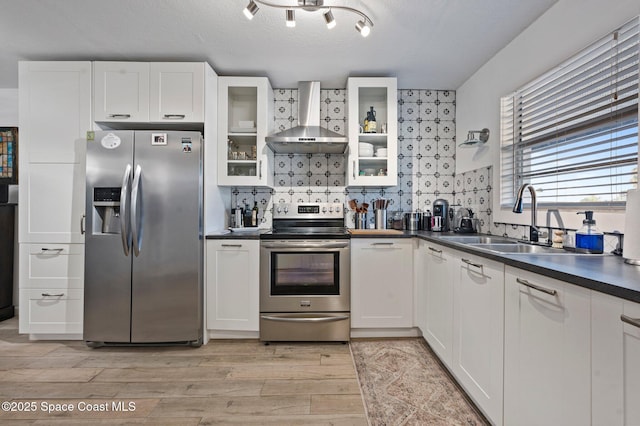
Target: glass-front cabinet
pixel 245 118
pixel 373 131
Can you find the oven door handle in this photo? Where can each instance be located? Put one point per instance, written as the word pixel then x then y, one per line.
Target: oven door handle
pixel 305 319
pixel 296 245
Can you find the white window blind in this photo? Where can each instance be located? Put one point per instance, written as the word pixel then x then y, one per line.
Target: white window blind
pixel 573 132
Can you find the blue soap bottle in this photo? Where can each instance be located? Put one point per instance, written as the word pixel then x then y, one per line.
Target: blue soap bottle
pixel 588 238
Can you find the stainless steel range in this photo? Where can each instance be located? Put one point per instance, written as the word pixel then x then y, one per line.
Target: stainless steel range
pixel 304 274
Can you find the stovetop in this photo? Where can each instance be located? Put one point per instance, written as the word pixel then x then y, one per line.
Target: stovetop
pixel 308 221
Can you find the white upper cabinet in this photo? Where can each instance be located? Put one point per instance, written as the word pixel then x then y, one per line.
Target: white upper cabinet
pixel 177 92
pixel 245 118
pixel 140 92
pixel 55 114
pixel 121 91
pixel 373 151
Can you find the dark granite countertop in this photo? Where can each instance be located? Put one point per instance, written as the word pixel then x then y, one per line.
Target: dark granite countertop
pixel 604 273
pixel 249 234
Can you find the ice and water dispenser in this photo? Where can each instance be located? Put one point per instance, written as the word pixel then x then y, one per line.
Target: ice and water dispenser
pixel 106 210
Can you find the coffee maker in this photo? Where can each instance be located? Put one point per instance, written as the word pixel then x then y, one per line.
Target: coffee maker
pixel 440 216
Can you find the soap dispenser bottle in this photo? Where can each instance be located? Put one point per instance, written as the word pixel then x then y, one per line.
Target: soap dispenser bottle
pixel 588 238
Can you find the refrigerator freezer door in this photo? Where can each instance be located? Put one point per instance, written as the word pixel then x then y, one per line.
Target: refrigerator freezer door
pixel 107 292
pixel 166 291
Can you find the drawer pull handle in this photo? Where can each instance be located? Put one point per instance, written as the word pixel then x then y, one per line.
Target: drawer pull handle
pixel 52 295
pixel 381 244
pixel 468 262
pixel 535 287
pixel 435 250
pixel 633 321
pixel 174 116
pixel 232 245
pixel 119 116
pixel 57 250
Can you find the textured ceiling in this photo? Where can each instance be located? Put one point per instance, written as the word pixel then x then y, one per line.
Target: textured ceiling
pixel 433 44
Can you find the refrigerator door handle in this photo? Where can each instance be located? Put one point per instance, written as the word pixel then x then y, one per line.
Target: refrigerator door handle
pixel 137 212
pixel 124 210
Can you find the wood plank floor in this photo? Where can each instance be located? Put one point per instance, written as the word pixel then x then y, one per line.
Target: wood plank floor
pixel 224 382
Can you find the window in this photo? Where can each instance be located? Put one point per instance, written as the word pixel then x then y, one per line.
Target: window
pixel 573 132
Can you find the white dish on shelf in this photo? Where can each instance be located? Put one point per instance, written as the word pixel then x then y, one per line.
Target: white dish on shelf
pixel 381 152
pixel 243 130
pixel 246 124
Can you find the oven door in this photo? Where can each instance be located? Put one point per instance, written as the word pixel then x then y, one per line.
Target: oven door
pixel 304 276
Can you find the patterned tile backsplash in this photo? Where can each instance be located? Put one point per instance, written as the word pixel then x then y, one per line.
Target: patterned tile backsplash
pixel 426 160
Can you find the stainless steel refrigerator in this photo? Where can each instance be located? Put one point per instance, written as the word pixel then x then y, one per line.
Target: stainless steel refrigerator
pixel 144 239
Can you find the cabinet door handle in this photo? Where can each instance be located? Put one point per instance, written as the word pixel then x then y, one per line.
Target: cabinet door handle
pixel 536 287
pixel 174 116
pixel 124 116
pixel 82 224
pixel 354 169
pixel 435 250
pixel 52 295
pixel 468 262
pixel 633 321
pixel 57 250
pixel 260 169
pixel 232 245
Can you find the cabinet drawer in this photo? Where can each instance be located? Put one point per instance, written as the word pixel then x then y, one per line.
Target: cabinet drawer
pixel 51 311
pixel 59 266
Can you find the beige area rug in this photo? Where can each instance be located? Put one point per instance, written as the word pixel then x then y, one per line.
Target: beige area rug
pixel 404 384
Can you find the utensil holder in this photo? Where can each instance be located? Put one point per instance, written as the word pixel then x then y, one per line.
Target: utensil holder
pixel 381 218
pixel 361 220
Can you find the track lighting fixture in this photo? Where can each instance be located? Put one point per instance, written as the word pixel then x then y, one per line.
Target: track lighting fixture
pixel 291 18
pixel 328 17
pixel 363 26
pixel 250 10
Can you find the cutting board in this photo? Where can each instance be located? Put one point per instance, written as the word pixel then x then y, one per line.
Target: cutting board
pixel 375 231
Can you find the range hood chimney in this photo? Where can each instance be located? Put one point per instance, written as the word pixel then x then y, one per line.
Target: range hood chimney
pixel 308 137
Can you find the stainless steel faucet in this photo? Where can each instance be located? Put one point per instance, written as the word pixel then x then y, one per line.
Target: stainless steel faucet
pixel 534 231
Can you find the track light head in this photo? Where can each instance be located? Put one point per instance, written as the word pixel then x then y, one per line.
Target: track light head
pixel 250 10
pixel 291 18
pixel 328 17
pixel 363 28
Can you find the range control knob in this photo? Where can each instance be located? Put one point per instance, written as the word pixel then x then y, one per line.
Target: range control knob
pixel 330 209
pixel 337 209
pixel 286 209
pixel 278 209
pixel 324 210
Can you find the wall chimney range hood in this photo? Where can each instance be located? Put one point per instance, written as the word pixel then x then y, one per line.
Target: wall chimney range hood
pixel 308 137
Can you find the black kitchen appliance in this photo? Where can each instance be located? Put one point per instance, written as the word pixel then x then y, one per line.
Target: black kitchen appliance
pixel 440 221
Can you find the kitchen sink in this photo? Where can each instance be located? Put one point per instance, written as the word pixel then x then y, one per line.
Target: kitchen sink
pixel 520 248
pixel 478 239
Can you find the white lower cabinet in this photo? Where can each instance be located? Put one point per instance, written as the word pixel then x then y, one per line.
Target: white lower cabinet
pixel 381 282
pixel 51 311
pixel 478 321
pixel 51 288
pixel 438 317
pixel 547 351
pixel 232 280
pixel 615 363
